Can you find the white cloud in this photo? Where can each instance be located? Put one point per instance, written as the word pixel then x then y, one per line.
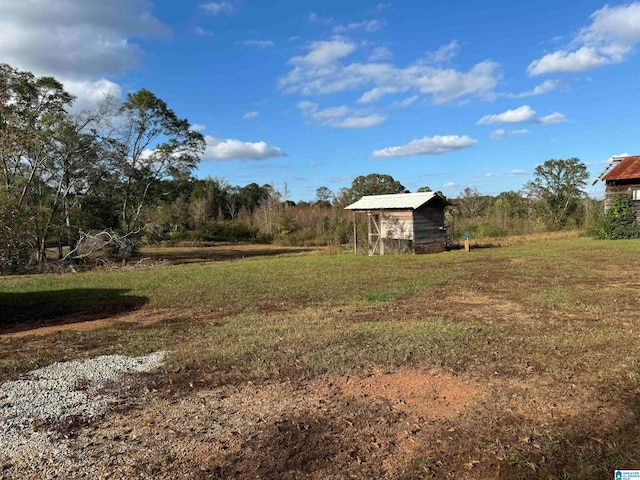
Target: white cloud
pixel 322 71
pixel 379 54
pixel 521 114
pixel 449 185
pixel 217 7
pixel 249 115
pixel 75 39
pixel 501 133
pixel 259 43
pixel 368 26
pixel 405 102
pixel 230 149
pixel 497 134
pixel 488 174
pixel 323 117
pixel 382 6
pixel 80 42
pixel 197 127
pixel 375 94
pixel 445 53
pixel 610 38
pixel 585 58
pixel 89 94
pixel 323 53
pixel 555 117
pixel 427 146
pixel 545 87
pixel 360 121
pixel 202 31
pixel 339 117
pixel 518 115
pixel 517 172
pixel 315 18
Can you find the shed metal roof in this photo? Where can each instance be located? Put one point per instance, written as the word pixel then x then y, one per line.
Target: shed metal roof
pixel 627 169
pixel 398 201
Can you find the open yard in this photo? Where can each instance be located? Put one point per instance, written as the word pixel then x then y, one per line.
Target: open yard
pixel 519 362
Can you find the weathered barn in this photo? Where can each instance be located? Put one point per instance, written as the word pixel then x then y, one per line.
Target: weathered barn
pixel 622 175
pixel 415 220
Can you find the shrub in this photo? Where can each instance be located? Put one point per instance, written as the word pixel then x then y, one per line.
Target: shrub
pixel 619 221
pixel 224 232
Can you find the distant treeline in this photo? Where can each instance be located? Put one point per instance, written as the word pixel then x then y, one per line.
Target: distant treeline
pixel 128 168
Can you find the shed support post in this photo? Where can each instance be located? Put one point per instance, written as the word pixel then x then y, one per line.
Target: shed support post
pixel 380 233
pixel 355 235
pixel 370 234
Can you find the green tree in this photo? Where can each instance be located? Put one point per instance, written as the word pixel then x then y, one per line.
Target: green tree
pixel 374 184
pixel 620 221
pixel 30 110
pixel 16 239
pixel 557 190
pixel 424 189
pixel 33 125
pixel 152 144
pixel 323 196
pixel 253 195
pixel 471 204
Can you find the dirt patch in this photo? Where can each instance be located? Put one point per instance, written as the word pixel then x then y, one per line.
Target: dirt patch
pixel 217 252
pixel 369 427
pixel 629 285
pixel 428 395
pixel 142 317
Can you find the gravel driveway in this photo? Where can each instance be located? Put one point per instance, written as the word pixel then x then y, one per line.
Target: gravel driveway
pixel 30 410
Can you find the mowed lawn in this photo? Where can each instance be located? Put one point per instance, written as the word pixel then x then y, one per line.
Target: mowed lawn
pixel 544 338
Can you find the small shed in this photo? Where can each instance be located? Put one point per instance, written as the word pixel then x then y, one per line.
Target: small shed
pixel 414 219
pixel 622 175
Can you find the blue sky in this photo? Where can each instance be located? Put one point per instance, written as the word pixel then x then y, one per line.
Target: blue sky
pixel 445 94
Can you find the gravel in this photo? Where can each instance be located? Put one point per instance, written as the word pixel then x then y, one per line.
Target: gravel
pixel 31 408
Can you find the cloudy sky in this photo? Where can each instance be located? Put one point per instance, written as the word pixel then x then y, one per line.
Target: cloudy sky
pixel 445 94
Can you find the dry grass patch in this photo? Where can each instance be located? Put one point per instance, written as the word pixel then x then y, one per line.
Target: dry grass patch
pixel 511 363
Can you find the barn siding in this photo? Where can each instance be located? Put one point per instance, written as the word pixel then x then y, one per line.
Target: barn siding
pixel 422 227
pixel 427 232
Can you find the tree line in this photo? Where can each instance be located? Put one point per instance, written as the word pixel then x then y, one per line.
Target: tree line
pixel 126 168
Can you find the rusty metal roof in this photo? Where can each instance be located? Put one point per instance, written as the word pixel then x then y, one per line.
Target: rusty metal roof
pixel 628 168
pixel 398 201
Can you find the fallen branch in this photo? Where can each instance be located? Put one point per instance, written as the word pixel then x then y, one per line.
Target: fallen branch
pixel 90 243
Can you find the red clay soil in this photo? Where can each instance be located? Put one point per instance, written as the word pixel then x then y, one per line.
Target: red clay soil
pixel 429 395
pixel 144 317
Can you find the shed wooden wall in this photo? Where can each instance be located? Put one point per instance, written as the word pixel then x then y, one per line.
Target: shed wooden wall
pixel 428 237
pixel 614 188
pixel 421 228
pixel 397 224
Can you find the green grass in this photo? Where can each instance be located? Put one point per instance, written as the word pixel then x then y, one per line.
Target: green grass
pixel 551 331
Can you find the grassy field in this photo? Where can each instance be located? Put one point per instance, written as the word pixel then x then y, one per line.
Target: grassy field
pixel 515 362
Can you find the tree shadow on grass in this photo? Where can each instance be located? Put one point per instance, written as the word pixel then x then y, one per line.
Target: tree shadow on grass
pixel 25 311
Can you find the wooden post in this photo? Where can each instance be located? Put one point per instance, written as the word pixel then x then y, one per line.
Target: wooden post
pixel 466 244
pixel 370 235
pixel 380 233
pixel 355 235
